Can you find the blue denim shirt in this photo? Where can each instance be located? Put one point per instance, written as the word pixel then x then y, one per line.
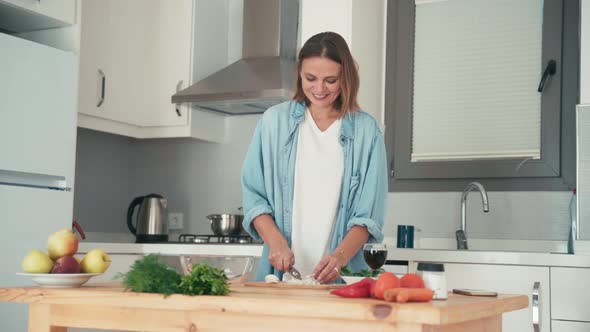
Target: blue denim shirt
pixel 268 175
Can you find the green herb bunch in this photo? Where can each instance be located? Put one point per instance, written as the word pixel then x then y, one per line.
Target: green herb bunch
pixel 204 280
pixel 346 271
pixel 149 275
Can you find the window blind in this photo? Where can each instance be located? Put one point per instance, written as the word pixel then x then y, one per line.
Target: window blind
pixel 477 65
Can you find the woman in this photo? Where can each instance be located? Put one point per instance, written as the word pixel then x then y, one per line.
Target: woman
pixel 314 179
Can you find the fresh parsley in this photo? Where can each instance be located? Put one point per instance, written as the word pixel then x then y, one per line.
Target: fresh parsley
pixel 204 280
pixel 346 271
pixel 150 275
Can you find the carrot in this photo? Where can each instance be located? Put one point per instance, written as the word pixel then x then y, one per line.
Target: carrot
pixel 415 295
pixel 403 295
pixel 390 295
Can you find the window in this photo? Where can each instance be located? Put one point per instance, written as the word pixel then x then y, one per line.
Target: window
pixel 461 94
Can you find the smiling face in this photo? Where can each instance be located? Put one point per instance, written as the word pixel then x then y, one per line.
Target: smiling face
pixel 320 81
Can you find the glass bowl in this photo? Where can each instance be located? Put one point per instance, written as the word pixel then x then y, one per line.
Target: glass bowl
pixel 236 268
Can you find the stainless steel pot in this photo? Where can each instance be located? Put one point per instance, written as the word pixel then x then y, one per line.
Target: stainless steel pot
pixel 226 224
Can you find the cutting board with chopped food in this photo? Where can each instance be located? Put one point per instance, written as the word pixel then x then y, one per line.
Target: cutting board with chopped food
pixel 288 285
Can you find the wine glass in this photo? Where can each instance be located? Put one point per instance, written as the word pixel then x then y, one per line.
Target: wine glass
pixel 375 254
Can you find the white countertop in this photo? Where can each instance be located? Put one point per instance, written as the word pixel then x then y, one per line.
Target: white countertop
pixel 515 252
pixel 488 251
pixel 174 249
pixel 489 257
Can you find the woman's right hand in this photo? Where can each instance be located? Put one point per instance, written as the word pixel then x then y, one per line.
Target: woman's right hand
pixel 280 256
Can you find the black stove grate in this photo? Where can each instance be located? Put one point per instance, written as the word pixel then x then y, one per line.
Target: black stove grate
pixel 215 239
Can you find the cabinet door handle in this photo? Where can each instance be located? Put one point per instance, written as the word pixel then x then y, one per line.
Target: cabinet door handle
pixel 536 295
pixel 102 87
pixel 178 88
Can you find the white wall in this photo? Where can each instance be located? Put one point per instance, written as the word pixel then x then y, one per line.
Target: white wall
pixel 105 167
pixel 368 49
pixel 585 53
pixel 362 25
pixel 198 178
pixel 326 15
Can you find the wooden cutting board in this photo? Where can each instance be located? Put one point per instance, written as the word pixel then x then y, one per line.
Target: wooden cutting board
pixel 292 286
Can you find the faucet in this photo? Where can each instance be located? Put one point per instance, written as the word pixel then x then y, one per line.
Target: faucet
pixel 461 234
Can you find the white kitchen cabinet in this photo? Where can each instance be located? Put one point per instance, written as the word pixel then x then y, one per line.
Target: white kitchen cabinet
pixel 29 15
pixel 565 326
pixel 509 280
pixel 134 54
pixel 569 301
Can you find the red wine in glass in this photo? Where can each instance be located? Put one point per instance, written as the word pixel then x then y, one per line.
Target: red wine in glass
pixel 375 255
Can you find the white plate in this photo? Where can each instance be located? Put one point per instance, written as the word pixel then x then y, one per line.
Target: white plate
pixel 59 280
pixel 351 280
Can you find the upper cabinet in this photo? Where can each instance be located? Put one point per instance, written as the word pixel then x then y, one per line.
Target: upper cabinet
pixel 29 15
pixel 134 55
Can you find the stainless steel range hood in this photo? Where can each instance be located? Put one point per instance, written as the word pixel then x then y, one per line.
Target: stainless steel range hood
pixel 264 76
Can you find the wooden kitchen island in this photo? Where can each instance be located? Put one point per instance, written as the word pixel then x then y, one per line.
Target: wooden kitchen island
pixel 108 306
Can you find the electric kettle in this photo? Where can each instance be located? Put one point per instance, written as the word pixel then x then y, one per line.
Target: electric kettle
pixel 151 223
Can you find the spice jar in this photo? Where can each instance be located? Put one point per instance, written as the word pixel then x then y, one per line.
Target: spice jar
pixel 434 278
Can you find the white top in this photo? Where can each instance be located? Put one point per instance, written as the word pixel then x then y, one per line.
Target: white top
pixel 319 166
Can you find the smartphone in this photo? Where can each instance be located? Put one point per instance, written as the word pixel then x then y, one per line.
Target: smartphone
pixel 474 292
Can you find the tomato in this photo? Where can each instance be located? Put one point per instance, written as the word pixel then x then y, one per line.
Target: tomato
pixel 385 281
pixel 411 280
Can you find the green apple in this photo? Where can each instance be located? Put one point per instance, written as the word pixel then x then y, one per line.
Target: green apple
pixel 37 261
pixel 62 243
pixel 95 261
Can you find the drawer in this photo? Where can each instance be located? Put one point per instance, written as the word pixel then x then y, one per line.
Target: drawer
pixel 569 300
pixel 567 326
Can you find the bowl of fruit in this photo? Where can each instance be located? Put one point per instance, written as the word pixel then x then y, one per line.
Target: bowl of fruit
pixel 58 267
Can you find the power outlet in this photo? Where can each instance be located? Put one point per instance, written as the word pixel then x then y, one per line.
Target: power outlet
pixel 175 220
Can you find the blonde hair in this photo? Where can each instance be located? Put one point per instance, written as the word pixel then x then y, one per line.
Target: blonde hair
pixel 332 46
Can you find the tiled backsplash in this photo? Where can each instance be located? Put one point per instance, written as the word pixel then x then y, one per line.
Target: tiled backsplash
pixel 200 178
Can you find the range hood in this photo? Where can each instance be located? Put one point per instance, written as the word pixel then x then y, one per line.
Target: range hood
pixel 264 76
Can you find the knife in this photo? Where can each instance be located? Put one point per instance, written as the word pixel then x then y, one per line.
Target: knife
pixel 293 271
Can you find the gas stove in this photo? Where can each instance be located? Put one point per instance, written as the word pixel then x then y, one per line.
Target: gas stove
pixel 215 239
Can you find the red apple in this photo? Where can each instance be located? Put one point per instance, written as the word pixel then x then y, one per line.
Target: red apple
pixel 66 264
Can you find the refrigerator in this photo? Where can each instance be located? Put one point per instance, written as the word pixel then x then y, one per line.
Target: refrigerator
pixel 38 98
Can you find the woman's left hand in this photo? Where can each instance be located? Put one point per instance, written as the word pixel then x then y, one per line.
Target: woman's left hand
pixel 328 269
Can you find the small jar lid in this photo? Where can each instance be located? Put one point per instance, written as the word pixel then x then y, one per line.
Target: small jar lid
pixel 435 267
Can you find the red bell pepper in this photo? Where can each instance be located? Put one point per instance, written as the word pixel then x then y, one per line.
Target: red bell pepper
pixel 357 290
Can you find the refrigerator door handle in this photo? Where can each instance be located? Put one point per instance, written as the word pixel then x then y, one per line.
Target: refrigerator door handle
pixel 34 180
